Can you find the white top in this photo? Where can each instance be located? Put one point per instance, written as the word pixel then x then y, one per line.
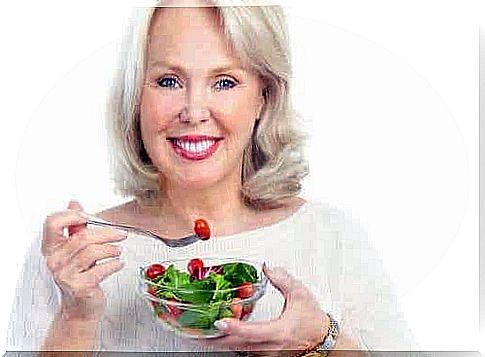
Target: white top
pixel 318 244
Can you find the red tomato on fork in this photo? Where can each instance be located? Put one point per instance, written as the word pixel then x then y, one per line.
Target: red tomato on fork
pixel 201 228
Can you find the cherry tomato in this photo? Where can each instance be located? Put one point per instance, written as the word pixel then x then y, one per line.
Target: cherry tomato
pixel 152 291
pixel 201 228
pixel 247 309
pixel 154 270
pixel 169 319
pixel 194 266
pixel 236 309
pixel 174 311
pixel 163 316
pixel 245 290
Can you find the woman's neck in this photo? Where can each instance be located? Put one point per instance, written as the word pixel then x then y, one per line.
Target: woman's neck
pixel 214 204
pixel 178 207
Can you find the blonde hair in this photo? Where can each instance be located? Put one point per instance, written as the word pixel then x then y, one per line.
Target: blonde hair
pixel 273 163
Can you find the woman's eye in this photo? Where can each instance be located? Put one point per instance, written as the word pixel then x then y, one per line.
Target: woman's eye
pixel 224 84
pixel 168 82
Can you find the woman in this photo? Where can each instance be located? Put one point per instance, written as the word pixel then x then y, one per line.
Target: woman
pixel 201 126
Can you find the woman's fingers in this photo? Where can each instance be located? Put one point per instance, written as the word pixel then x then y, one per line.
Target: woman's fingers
pixel 80 241
pixel 246 336
pixel 236 343
pixel 76 206
pixel 76 284
pixel 101 271
pixel 54 225
pixel 253 332
pixel 77 261
pixel 92 253
pixel 292 289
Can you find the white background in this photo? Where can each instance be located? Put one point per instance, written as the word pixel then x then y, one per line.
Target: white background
pixel 388 91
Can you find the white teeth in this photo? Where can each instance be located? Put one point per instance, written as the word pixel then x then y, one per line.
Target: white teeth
pixel 195 147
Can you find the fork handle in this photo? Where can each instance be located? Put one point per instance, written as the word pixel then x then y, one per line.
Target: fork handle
pixel 108 224
pixel 170 242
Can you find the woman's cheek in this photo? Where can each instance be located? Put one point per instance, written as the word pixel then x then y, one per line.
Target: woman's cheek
pixel 155 114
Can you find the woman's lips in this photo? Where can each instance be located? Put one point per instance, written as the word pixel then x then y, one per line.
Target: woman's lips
pixel 195 148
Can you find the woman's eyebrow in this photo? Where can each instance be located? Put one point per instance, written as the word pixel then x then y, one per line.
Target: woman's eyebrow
pixel 177 68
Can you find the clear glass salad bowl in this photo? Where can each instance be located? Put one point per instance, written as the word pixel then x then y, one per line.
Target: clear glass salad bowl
pixel 188 298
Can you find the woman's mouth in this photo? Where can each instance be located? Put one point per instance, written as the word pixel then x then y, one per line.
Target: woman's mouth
pixel 194 147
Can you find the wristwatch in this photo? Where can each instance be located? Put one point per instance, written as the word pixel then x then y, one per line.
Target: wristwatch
pixel 330 339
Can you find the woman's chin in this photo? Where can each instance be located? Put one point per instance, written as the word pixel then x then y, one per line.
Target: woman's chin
pixel 197 182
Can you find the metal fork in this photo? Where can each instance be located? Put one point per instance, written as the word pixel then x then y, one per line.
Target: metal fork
pixel 177 242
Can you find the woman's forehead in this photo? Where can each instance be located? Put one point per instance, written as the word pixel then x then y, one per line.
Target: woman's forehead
pixel 185 3
pixel 175 18
pixel 189 35
pixel 170 26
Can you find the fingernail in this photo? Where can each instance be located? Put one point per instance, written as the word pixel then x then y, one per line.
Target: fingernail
pixel 220 325
pixel 267 268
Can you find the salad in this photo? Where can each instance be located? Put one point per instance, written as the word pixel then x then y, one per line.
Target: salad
pixel 193 300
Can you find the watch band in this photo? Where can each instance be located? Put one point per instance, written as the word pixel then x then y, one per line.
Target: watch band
pixel 330 339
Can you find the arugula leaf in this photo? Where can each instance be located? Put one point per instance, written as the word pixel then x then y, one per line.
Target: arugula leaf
pixel 196 292
pixel 238 273
pixel 174 278
pixel 203 318
pixel 226 312
pixel 221 285
pixel 178 285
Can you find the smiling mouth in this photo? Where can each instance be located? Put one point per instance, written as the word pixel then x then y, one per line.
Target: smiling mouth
pixel 195 147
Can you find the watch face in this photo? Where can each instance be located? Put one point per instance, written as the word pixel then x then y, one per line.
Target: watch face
pixel 328 343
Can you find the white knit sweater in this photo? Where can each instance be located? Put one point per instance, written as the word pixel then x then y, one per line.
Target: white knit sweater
pixel 318 244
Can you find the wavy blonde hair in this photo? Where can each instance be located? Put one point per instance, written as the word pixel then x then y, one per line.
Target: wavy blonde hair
pixel 273 163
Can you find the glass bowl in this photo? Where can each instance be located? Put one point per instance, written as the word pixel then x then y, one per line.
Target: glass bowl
pixel 196 320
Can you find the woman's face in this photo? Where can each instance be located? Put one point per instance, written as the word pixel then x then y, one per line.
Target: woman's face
pixel 198 106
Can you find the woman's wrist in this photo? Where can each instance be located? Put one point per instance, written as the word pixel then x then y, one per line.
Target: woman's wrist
pixel 77 315
pixel 328 333
pixel 81 336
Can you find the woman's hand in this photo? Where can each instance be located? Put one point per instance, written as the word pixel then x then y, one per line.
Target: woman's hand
pixel 72 261
pixel 301 325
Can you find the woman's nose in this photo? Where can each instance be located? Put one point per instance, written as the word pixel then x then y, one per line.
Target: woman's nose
pixel 196 105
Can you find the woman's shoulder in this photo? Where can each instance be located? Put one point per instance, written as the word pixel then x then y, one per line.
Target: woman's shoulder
pixel 327 220
pixel 330 215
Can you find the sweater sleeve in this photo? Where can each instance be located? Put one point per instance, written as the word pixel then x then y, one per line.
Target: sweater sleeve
pixel 368 302
pixel 35 303
pixel 363 298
